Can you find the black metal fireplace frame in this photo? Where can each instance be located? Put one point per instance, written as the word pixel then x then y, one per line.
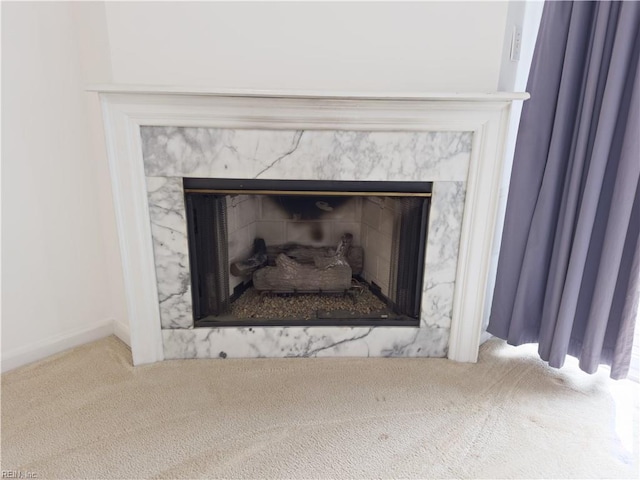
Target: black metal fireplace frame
pixel 212 189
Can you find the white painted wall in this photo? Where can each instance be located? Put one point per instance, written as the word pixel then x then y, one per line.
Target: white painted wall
pixel 90 21
pixel 56 237
pixel 362 46
pixel 525 17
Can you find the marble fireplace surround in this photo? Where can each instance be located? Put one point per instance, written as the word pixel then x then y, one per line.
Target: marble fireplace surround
pixel 156 136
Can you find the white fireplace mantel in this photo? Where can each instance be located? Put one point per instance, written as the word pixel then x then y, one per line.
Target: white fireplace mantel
pixel 127 108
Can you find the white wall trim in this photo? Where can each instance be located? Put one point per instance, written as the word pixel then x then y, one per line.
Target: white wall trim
pixel 126 109
pixel 18 357
pixel 304 94
pixel 121 330
pixel 124 152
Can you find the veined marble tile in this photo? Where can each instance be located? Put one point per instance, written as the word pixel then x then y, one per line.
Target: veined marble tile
pixel 170 249
pixel 255 342
pixel 171 153
pixel 305 154
pixel 441 261
pixel 167 212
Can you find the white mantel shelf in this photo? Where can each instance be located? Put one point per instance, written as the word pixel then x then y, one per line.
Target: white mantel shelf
pixel 309 94
pixel 129 108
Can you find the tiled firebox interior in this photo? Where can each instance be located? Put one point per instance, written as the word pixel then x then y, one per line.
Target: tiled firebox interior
pixel 369 219
pixel 173 153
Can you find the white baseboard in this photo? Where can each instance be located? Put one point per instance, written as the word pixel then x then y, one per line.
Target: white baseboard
pixel 121 330
pixel 485 336
pixel 36 351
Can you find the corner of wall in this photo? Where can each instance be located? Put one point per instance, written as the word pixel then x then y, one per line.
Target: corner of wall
pixel 50 52
pixel 523 17
pixel 94 50
pixel 121 330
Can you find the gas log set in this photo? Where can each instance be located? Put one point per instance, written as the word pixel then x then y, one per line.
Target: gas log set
pixel 294 281
pixel 294 268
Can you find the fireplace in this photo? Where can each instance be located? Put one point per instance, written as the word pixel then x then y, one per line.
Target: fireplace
pixel 158 137
pixel 305 253
pixel 290 175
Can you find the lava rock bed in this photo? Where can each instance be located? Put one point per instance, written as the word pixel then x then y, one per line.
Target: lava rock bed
pixel 252 304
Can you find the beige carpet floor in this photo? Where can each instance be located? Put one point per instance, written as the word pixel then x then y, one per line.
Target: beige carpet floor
pixel 87 413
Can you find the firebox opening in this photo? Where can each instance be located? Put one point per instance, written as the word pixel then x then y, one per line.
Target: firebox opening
pixel 306 253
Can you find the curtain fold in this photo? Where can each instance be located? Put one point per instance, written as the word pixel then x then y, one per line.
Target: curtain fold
pixel 567 272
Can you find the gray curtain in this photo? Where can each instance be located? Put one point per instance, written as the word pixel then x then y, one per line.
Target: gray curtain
pixel 569 265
